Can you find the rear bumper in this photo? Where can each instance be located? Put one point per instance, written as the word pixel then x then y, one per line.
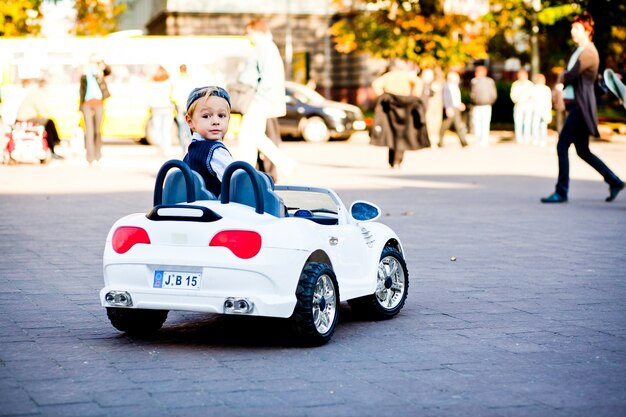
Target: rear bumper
pixel 269 282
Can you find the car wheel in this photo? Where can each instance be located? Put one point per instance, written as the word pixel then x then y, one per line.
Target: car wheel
pixel 391 288
pixel 314 129
pixel 317 305
pixel 135 320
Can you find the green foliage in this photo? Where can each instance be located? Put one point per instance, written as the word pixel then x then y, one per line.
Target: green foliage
pixel 20 17
pixel 552 14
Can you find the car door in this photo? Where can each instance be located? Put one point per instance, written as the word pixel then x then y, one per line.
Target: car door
pixel 350 251
pixel 289 122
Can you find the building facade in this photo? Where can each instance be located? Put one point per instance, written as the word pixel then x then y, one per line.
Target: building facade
pixel 299 27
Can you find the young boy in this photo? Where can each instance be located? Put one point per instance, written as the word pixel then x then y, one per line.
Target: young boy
pixel 208 114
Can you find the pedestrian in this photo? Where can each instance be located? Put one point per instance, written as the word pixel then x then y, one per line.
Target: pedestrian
pixel 483 94
pixel 34 109
pixel 401 89
pixel 541 110
pixel 265 72
pixel 582 120
pixel 431 97
pixel 161 109
pixel 181 87
pixel 93 93
pixel 522 98
pixel 453 109
pixel 207 115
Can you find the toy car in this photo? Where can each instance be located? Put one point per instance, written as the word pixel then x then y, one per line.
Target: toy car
pixel 260 250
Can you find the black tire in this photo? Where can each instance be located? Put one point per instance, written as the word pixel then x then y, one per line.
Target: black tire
pixel 317 306
pixel 392 288
pixel 135 320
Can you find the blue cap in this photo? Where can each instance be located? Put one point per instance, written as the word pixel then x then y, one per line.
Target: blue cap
pixel 211 90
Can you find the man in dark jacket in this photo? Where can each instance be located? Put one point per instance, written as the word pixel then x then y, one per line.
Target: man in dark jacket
pixel 399 124
pixel 580 101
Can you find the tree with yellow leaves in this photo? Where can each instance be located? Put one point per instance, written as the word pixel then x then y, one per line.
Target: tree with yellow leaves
pixel 97 17
pixel 414 30
pixel 20 17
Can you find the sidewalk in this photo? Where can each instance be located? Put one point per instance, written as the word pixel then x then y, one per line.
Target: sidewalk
pixel 515 308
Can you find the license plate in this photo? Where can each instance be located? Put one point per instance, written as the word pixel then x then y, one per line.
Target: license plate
pixel 177 280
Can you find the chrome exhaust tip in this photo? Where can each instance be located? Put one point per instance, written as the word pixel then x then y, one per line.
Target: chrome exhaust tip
pixel 118 299
pixel 234 305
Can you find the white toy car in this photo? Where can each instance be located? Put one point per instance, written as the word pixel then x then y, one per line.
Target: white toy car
pixel 260 250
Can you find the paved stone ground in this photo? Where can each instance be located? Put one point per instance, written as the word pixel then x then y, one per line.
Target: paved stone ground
pixel 530 320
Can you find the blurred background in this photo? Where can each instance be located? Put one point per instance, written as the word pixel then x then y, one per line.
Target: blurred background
pixel 334 47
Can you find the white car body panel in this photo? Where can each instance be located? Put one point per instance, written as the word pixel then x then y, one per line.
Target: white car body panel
pixel 268 279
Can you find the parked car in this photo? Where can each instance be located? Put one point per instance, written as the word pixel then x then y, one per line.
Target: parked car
pixel 316 119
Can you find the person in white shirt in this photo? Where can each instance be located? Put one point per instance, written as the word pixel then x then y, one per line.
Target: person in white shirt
pixel 541 110
pixel 208 114
pixel 161 108
pixel 266 73
pixel 522 97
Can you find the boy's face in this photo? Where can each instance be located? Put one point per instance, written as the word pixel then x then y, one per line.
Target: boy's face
pixel 210 118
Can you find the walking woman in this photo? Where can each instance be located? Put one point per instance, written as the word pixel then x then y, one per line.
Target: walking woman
pixel 93 92
pixel 582 117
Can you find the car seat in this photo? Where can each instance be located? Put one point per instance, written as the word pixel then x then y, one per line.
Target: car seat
pixel 241 191
pixel 175 191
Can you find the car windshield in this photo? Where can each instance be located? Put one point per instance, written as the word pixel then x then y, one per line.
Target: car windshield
pixel 314 201
pixel 305 94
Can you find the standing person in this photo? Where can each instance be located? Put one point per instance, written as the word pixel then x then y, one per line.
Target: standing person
pixel 453 108
pixel 266 73
pixel 207 113
pixel 483 94
pixel 431 97
pixel 181 87
pixel 522 98
pixel 93 92
pixel 405 88
pixel 541 110
pixel 582 119
pixel 33 109
pixel 161 108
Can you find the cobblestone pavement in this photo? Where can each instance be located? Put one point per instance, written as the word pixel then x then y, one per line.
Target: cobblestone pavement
pixel 530 320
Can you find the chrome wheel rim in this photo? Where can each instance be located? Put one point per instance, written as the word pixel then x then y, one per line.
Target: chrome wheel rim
pixel 391 283
pixel 324 304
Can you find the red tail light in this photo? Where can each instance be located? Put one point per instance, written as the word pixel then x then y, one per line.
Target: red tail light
pixel 243 243
pixel 126 237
